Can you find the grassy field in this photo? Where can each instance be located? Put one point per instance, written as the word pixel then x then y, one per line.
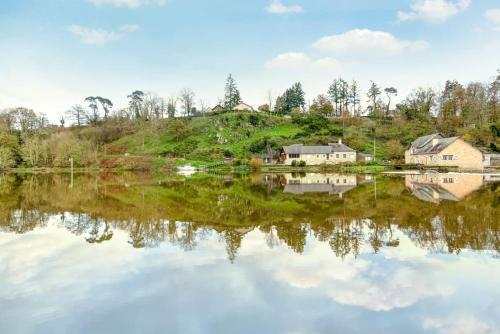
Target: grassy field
pixel 209 139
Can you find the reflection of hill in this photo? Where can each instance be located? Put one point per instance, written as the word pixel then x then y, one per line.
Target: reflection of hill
pixel 152 212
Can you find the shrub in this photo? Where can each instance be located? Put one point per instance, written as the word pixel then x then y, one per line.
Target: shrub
pixel 302 163
pixel 256 164
pixel 294 163
pixel 6 158
pixel 394 149
pixel 254 119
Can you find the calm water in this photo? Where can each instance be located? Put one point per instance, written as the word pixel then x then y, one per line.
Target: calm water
pixel 260 254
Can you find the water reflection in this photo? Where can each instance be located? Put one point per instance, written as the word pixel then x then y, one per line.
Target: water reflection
pixel 125 253
pixel 286 208
pixel 452 187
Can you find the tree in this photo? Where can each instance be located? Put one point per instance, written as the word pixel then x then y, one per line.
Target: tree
pixel 322 105
pixel 93 116
pixel 292 99
pixel 187 99
pixel 135 102
pixel 232 94
pixel 171 107
pixel 106 104
pixel 354 96
pixel 419 104
pixel 373 94
pixel 394 149
pixel 390 92
pixel 77 114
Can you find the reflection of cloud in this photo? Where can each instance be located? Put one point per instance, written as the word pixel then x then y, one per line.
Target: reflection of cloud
pixel 465 324
pixel 373 285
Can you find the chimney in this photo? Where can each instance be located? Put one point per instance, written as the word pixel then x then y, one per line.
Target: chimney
pixel 340 141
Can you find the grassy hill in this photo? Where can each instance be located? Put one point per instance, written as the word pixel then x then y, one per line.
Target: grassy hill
pixel 240 135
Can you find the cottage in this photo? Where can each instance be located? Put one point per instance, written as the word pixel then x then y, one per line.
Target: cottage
pixel 243 107
pixel 435 150
pixel 217 108
pixel 317 155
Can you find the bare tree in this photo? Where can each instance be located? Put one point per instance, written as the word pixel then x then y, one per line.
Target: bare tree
pixel 77 114
pixel 270 100
pixel 171 106
pixel 187 98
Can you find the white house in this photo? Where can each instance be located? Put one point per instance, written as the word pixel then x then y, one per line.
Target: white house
pixel 330 154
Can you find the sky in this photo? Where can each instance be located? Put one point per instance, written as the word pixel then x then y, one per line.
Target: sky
pixel 54 53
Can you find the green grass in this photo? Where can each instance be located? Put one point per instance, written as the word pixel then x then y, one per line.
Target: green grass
pixel 208 139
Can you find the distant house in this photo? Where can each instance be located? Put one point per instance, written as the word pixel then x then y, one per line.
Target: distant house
pixel 435 150
pixel 243 107
pixel 363 157
pixel 317 155
pixel 218 108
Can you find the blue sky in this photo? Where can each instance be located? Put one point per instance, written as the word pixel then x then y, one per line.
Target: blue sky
pixel 57 52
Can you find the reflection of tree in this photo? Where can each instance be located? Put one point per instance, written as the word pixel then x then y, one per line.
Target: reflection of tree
pixel 294 235
pixel 233 243
pixel 183 213
pixel 98 233
pixel 346 237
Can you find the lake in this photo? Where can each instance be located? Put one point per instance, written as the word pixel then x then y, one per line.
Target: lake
pixel 264 253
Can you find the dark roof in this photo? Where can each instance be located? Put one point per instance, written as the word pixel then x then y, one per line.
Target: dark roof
pixel 424 145
pixel 331 148
pixel 341 148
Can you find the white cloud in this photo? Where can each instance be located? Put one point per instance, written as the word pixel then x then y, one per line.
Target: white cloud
pixel 460 325
pixel 100 36
pixel 365 42
pixel 128 3
pixel 493 15
pixel 277 7
pixel 301 61
pixel 289 60
pixel 434 11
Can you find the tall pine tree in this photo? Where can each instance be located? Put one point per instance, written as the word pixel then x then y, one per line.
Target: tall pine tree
pixel 232 95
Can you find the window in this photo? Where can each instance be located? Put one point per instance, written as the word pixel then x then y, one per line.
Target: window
pixel 448 180
pixel 345 156
pixel 448 157
pixel 338 156
pixel 294 156
pixel 328 157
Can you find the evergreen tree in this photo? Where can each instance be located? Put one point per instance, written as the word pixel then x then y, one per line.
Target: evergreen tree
pixel 232 94
pixel 373 93
pixel 293 98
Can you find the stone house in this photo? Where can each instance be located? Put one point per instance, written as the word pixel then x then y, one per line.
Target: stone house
pixel 330 154
pixel 435 150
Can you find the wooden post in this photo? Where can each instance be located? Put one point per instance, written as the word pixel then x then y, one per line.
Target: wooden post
pixel 71 162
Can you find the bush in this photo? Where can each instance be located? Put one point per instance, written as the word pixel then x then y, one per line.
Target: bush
pixel 6 158
pixel 294 163
pixel 394 149
pixel 302 163
pixel 254 119
pixel 256 164
pixel 228 154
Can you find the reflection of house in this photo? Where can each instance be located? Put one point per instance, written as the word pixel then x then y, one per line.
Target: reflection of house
pixel 435 150
pixel 243 107
pixel 438 187
pixel 317 155
pixel 318 183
